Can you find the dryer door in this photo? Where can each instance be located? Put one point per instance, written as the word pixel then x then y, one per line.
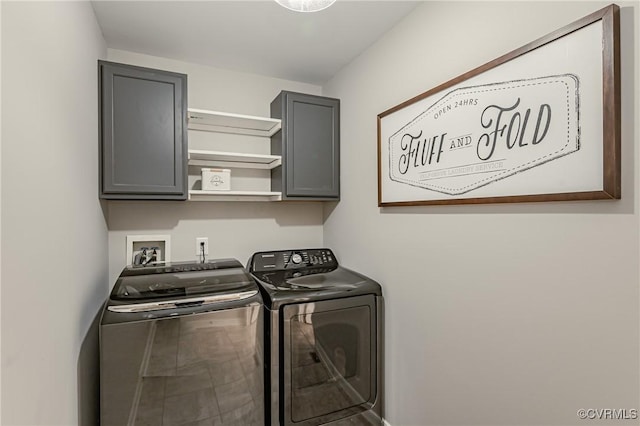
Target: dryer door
pixel 329 360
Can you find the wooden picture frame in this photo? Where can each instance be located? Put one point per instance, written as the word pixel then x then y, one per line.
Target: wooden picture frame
pixel 541 123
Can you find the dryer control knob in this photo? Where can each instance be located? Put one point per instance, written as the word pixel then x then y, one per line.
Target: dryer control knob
pixel 296 258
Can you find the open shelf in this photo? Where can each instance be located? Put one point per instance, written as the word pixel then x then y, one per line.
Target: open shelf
pixel 233 159
pixel 199 195
pixel 226 122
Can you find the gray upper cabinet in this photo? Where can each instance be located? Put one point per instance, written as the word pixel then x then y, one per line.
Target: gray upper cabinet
pixel 143 133
pixel 309 144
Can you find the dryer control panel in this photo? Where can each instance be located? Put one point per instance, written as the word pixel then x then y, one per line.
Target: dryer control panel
pixel 291 259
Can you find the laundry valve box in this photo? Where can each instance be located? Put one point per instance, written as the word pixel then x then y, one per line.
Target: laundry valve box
pixel 216 179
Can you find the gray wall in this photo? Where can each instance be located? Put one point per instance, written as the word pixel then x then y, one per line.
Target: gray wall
pixel 234 229
pixel 0 216
pixel 496 314
pixel 54 236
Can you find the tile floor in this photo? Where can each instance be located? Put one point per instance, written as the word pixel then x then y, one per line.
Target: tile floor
pixel 203 373
pixel 321 380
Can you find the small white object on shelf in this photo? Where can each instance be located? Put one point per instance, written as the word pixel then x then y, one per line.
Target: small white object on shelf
pixel 233 159
pixel 216 179
pixel 226 122
pixel 198 195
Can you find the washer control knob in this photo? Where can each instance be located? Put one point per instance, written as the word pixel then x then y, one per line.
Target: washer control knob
pixel 296 258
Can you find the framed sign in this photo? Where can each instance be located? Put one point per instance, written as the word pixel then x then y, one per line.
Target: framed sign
pixel 541 123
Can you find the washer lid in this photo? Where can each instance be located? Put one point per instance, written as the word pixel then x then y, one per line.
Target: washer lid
pixel 280 288
pixel 188 302
pixel 181 280
pixel 311 278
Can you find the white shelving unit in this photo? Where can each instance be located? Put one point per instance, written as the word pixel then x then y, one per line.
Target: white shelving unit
pixel 199 195
pixel 224 122
pixel 233 159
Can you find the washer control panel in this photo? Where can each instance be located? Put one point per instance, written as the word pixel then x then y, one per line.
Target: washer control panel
pixel 178 267
pixel 291 259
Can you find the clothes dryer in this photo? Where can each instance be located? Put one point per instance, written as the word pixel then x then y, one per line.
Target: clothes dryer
pixel 324 339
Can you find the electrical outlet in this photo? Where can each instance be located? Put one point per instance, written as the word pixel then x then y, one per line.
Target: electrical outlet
pixel 199 242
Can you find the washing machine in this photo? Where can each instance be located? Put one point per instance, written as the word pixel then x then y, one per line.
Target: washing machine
pixel 183 343
pixel 323 325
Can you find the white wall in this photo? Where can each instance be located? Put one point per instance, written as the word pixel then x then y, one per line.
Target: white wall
pixel 54 236
pixel 234 229
pixel 495 314
pixel 0 209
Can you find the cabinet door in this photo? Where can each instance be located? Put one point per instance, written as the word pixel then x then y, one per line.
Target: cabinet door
pixel 143 133
pixel 329 361
pixel 311 139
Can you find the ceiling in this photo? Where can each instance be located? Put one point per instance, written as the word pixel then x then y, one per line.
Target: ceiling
pixel 259 37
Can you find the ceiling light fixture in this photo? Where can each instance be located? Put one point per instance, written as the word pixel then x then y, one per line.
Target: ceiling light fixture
pixel 306 5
